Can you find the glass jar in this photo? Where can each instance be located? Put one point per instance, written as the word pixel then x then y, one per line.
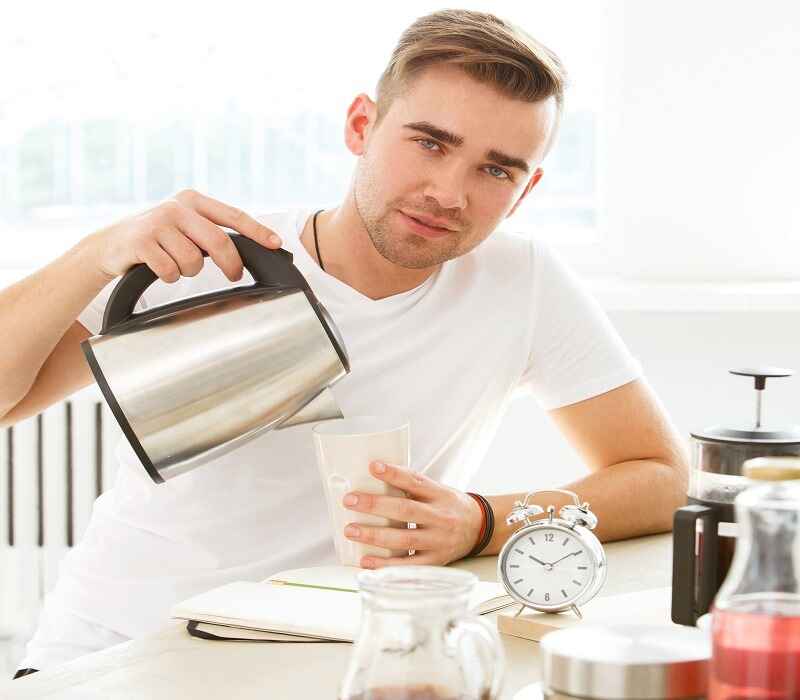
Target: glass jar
pixel 418 640
pixel 756 614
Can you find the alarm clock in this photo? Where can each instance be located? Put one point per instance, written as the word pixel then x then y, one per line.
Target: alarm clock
pixel 552 564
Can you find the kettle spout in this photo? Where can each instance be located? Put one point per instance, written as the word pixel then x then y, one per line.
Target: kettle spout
pixel 322 407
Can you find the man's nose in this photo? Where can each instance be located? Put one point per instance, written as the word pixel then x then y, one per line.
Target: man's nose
pixel 448 186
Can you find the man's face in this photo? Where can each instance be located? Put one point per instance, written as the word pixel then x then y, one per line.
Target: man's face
pixel 408 169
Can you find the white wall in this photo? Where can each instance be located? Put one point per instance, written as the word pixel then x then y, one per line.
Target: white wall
pixel 703 143
pixel 686 357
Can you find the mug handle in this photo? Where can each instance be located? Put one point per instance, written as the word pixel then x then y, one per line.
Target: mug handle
pixel 476 640
pixel 268 268
pixel 686 607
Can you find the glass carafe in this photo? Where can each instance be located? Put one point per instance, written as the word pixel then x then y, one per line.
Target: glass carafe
pixel 756 614
pixel 419 641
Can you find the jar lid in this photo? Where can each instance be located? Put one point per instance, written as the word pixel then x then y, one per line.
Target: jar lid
pixel 767 436
pixel 772 468
pixel 646 662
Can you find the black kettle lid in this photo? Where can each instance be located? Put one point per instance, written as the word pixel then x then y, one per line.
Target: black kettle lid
pixel 758 433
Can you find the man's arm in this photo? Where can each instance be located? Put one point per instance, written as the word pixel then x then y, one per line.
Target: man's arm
pixel 41 360
pixel 638 478
pixel 637 460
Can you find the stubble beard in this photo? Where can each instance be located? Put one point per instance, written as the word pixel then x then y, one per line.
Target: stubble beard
pixel 403 249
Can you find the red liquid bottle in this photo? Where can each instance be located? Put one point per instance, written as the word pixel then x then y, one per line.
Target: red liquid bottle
pixel 757 653
pixel 756 615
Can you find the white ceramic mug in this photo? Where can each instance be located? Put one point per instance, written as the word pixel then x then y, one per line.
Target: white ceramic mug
pixel 345 448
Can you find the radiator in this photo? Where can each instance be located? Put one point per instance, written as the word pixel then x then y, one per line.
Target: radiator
pixel 52 468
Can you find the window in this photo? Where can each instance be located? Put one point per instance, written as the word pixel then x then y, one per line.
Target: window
pixel 103 118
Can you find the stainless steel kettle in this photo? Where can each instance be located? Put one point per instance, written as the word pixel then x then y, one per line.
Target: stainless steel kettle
pixel 194 379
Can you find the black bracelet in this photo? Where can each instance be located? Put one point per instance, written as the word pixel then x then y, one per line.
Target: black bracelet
pixel 487 535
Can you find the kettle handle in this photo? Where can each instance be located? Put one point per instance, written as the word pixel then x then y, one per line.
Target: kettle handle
pixel 690 597
pixel 269 268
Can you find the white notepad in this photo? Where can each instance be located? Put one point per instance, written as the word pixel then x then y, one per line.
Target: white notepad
pixel 316 602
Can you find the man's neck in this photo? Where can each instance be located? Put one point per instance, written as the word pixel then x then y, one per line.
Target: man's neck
pixel 348 254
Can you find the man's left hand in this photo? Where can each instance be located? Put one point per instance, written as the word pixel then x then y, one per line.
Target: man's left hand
pixel 448 521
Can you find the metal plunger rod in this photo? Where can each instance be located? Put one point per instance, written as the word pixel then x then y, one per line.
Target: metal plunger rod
pixel 760 375
pixel 758 407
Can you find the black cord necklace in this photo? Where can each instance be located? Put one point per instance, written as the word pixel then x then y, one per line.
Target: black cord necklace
pixel 316 242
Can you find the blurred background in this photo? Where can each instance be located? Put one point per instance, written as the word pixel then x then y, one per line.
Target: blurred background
pixel 671 191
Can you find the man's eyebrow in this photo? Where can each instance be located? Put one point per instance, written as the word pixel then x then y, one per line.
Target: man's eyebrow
pixel 438 133
pixel 452 139
pixel 507 160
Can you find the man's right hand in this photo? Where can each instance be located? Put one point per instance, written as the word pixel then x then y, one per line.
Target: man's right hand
pixel 170 238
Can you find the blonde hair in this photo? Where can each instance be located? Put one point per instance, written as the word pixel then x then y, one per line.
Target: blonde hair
pixel 488 49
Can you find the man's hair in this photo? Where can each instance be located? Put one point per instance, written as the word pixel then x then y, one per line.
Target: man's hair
pixel 488 49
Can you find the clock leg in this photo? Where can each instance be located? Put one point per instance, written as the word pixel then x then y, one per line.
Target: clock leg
pixel 576 611
pixel 521 608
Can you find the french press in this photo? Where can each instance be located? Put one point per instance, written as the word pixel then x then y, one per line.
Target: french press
pixel 704 531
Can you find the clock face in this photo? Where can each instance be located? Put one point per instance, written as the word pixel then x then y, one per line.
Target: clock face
pixel 548 567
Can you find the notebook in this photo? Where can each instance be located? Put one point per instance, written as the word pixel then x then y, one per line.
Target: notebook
pixel 310 604
pixel 208 630
pixel 643 607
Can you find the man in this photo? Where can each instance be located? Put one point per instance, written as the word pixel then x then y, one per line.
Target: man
pixel 444 319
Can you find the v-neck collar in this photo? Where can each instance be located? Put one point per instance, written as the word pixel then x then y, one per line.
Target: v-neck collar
pixel 334 287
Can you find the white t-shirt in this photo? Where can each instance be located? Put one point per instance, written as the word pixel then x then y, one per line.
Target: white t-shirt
pixel 449 354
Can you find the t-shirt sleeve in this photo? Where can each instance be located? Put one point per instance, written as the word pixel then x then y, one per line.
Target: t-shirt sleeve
pixel 575 352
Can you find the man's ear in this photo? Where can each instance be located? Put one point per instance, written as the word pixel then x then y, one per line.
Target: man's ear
pixel 537 175
pixel 361 115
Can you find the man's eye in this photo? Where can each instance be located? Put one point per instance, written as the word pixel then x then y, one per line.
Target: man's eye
pixel 427 144
pixel 499 173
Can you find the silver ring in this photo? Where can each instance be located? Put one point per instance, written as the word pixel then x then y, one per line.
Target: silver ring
pixel 411 526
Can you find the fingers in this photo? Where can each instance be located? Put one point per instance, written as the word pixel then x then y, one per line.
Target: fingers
pixel 413 483
pixel 427 559
pixel 396 538
pixel 232 217
pixel 152 234
pixel 159 261
pixel 395 508
pixel 186 255
pixel 212 239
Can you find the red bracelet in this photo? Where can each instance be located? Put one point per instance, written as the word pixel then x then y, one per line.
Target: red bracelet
pixel 484 521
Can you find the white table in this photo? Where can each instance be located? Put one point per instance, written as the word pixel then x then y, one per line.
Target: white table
pixel 171 665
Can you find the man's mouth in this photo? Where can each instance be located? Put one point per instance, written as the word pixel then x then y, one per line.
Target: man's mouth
pixel 425 226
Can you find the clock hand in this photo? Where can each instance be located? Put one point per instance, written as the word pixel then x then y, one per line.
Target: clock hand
pixel 571 554
pixel 543 563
